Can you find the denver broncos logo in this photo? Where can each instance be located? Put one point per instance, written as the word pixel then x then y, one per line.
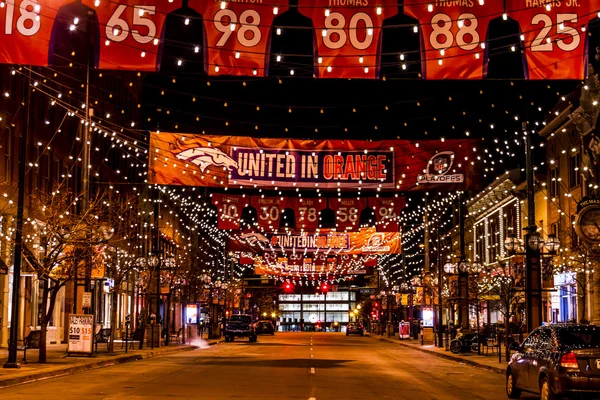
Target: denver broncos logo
pixel 254 238
pixel 204 157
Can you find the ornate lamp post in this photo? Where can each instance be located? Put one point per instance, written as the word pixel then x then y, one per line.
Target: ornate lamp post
pixel 533 276
pixel 464 267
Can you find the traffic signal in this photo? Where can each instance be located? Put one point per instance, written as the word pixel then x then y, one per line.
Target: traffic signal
pixel 288 287
pixel 324 288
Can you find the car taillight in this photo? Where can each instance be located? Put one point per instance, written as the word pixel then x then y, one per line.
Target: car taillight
pixel 569 360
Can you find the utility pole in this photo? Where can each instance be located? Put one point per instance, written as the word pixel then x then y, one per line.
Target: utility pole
pixel 533 270
pixel 18 249
pixel 463 277
pixel 440 319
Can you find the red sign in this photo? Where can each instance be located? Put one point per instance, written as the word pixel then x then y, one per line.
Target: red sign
pixel 210 160
pixel 347 212
pixel 26 29
pixel 269 211
pixel 347 36
pixel 308 211
pixel 387 212
pixel 554 36
pixel 454 34
pixel 237 35
pixel 130 32
pixel 229 209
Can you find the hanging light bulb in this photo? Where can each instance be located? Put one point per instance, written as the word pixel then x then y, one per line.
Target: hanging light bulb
pixel 223 5
pixel 505 16
pixel 379 10
pixel 275 10
pixel 430 7
pixel 327 12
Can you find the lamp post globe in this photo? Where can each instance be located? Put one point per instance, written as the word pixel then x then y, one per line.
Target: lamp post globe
pixel 535 242
pixel 552 243
pixel 476 267
pixel 449 268
pixel 511 243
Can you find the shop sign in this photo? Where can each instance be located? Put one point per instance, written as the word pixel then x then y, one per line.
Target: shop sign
pixel 81 330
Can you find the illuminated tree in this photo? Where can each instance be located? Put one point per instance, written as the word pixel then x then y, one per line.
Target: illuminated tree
pixel 61 241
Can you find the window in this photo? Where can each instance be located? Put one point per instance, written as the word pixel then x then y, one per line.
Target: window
pixel 494 236
pixel 574 237
pixel 574 173
pixel 511 221
pixel 480 243
pixel 553 182
pixel 532 340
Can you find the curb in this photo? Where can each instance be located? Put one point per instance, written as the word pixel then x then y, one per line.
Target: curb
pixel 497 370
pixel 5 383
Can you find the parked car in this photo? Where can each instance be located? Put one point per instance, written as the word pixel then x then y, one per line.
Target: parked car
pixel 240 326
pixel 265 327
pixel 355 327
pixel 555 361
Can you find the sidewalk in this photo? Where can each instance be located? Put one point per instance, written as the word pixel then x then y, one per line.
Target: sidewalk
pixel 59 364
pixel 488 362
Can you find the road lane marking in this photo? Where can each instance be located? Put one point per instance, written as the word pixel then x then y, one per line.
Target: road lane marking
pixel 312 370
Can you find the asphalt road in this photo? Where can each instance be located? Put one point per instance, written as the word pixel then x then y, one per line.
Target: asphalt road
pixel 285 366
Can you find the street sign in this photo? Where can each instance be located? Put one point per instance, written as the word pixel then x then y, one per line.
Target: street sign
pixel 87 300
pixel 80 333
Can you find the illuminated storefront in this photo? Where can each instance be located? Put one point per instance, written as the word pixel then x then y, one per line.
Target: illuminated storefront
pixel 308 310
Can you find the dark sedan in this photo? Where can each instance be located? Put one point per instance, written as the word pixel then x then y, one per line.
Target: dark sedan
pixel 356 328
pixel 265 328
pixel 556 361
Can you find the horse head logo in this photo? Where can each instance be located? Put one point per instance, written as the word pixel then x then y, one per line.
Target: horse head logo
pixel 204 157
pixel 254 238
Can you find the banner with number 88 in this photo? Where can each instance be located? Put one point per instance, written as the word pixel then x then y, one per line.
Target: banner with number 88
pixel 237 35
pixel 453 36
pixel 347 38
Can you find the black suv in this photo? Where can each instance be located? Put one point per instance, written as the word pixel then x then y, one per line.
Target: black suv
pixel 555 361
pixel 265 327
pixel 240 326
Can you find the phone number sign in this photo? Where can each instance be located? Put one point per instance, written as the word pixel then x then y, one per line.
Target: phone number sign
pixel 81 329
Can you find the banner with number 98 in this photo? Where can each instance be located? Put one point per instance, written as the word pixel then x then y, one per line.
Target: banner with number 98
pixel 237 38
pixel 348 38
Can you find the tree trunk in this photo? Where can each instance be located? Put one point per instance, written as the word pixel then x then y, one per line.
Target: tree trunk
pixel 506 335
pixel 113 320
pixel 47 310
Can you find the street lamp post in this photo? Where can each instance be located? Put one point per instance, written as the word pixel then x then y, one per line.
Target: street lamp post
pixel 533 270
pixel 467 269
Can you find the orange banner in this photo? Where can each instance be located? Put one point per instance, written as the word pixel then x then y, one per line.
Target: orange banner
pixel 223 161
pixel 366 241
